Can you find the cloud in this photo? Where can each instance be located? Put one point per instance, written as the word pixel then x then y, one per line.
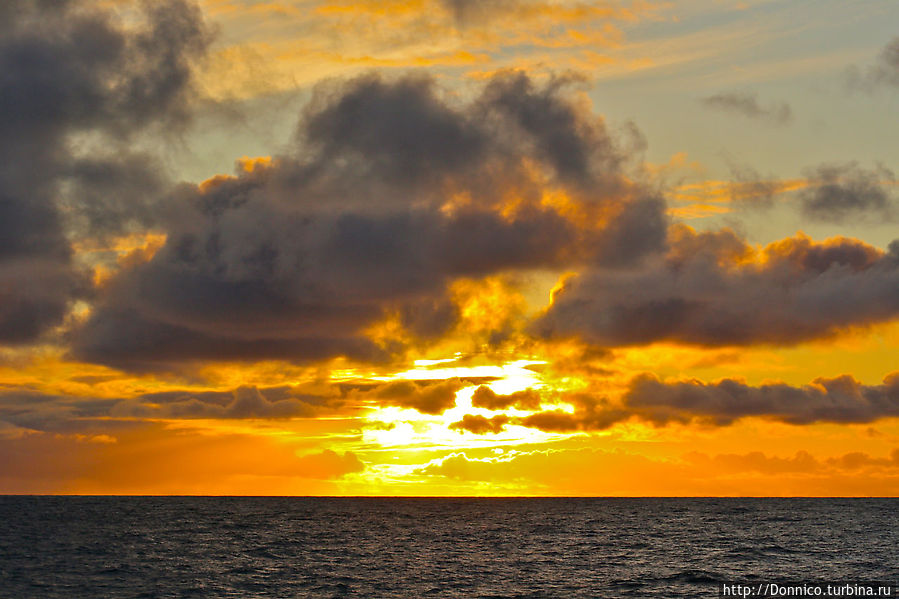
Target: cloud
pixel 481 425
pixel 883 73
pixel 748 105
pixel 841 399
pixel 151 459
pixel 467 10
pixel 433 398
pixel 577 148
pixel 241 403
pixel 838 192
pixel 713 289
pixel 800 463
pixel 71 72
pixel 485 397
pixel 592 412
pixel 749 189
pixel 393 190
pixel 328 464
pixel 29 410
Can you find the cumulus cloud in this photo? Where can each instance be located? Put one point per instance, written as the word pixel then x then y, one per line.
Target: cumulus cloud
pixel 838 192
pixel 70 70
pixel 713 289
pixel 393 189
pixel 748 105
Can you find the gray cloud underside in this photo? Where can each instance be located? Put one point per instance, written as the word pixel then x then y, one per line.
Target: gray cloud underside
pixel 481 425
pixel 427 398
pixel 840 400
pixel 34 411
pixel 23 409
pixel 700 294
pixel 648 399
pixel 70 69
pixel 393 190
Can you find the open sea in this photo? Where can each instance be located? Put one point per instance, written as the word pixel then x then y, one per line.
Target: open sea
pixel 372 547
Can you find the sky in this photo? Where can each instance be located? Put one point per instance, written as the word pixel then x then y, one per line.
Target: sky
pixel 449 247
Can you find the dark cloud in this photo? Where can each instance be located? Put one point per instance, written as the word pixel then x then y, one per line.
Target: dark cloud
pixel 70 70
pixel 434 398
pixel 241 403
pixel 469 12
pixel 480 425
pixel 393 190
pixel 400 131
pixel 574 146
pixel 485 397
pixel 710 290
pixel 638 229
pixel 29 410
pixel 747 104
pixel 838 192
pixel 842 400
pixel 883 73
pixel 592 412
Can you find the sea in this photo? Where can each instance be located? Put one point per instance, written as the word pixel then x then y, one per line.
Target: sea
pixel 148 547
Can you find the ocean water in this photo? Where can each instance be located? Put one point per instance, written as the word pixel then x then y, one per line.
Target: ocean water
pixel 371 547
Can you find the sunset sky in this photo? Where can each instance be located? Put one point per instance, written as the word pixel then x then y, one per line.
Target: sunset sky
pixel 449 247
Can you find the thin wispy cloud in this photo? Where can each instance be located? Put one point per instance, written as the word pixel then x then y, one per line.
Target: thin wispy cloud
pixel 747 104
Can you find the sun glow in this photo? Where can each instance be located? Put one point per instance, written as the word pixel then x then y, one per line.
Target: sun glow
pixel 408 429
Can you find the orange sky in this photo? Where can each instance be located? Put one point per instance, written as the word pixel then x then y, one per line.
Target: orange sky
pixel 368 248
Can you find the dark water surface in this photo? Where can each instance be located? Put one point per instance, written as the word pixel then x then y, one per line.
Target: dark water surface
pixel 363 547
